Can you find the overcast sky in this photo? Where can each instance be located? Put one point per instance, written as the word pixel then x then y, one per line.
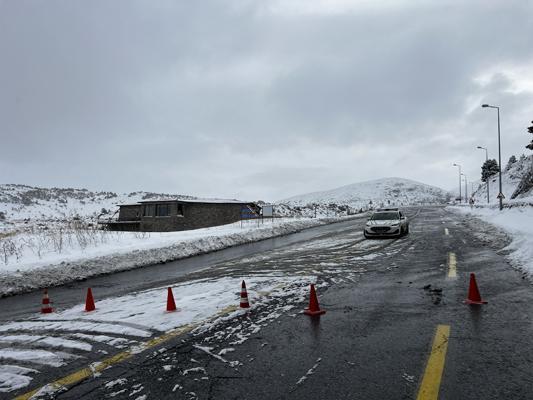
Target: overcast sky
pixel 258 99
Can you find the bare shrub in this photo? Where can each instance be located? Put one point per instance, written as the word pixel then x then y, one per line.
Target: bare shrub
pixel 37 241
pixel 9 248
pixel 141 235
pixel 57 239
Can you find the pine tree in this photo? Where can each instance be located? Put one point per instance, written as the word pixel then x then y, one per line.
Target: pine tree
pixel 489 168
pixel 530 130
pixel 510 163
pixel 526 184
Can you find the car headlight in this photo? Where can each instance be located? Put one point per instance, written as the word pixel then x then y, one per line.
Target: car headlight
pixel 396 224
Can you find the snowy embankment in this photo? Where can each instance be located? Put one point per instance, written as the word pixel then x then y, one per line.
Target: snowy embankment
pixel 31 270
pixel 517 185
pixel 517 222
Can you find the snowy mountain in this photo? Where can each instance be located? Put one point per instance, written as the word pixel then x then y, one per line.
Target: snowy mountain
pixel 370 194
pixel 517 184
pixel 20 202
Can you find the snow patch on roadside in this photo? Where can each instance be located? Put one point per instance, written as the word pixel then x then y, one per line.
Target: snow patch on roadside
pixel 517 222
pixel 197 301
pixel 35 356
pixel 117 342
pixel 74 326
pixel 46 341
pixel 310 372
pixel 13 377
pixel 120 381
pixel 195 369
pixel 207 350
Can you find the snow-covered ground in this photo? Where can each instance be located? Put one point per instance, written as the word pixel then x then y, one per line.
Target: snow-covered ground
pixel 201 305
pixel 39 262
pixel 22 202
pixel 517 222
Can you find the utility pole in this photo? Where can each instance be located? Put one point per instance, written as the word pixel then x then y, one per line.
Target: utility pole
pixel 466 189
pixel 500 195
pixel 457 165
pixel 488 180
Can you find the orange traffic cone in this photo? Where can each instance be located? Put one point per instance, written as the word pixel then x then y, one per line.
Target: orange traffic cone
pixel 89 301
pixel 314 308
pixel 473 292
pixel 46 308
pixel 171 304
pixel 244 296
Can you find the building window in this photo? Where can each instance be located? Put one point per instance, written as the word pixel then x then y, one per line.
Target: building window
pixel 149 210
pixel 163 210
pixel 180 210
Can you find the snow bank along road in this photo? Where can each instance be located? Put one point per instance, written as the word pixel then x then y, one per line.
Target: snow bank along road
pixel 396 326
pixel 517 221
pixel 119 251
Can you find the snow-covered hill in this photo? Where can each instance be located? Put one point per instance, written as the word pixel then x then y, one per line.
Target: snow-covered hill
pixel 377 193
pixel 20 202
pixel 517 184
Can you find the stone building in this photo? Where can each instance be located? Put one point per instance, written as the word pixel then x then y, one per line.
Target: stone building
pixel 179 215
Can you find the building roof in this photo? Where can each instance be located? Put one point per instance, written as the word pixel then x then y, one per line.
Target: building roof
pixel 203 201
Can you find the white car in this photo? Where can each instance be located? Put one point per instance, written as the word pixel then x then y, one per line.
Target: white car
pixel 386 222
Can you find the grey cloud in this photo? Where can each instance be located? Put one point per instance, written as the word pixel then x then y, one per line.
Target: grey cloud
pixel 197 97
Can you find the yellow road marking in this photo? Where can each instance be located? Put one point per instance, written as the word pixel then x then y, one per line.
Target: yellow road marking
pixel 429 388
pixel 452 265
pixel 446 231
pixel 99 366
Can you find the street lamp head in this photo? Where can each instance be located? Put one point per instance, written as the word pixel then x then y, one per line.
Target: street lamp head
pixel 479 147
pixel 485 105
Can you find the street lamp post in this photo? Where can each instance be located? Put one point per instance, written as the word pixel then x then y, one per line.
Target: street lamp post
pixel 500 195
pixel 466 189
pixel 457 165
pixel 486 159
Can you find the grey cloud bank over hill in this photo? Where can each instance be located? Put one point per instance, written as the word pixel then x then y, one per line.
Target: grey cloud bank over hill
pixel 245 99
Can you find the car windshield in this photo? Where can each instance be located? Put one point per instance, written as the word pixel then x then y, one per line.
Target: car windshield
pixel 385 216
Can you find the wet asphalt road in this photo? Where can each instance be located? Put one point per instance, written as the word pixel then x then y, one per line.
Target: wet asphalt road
pixel 375 339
